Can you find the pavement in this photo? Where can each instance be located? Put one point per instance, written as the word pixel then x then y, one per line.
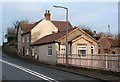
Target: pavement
pixel 96 74
pixel 88 73
pixel 100 75
pixel 85 72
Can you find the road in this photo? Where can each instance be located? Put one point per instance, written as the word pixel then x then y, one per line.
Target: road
pixel 17 69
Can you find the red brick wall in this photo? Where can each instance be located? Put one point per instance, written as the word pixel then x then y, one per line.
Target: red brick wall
pixel 104 46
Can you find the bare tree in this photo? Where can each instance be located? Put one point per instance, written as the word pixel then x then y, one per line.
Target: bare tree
pixel 11 31
pixel 92 33
pixel 16 24
pixel 87 30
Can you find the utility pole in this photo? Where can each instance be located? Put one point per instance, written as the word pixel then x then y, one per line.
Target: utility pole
pixel 66 32
pixel 109 29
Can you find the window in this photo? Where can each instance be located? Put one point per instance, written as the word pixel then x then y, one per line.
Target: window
pixel 99 51
pixel 23 39
pixel 81 50
pixel 113 52
pixel 36 56
pixel 27 52
pixel 33 51
pixel 92 50
pixel 50 50
pixel 27 39
pixel 63 49
pixel 106 51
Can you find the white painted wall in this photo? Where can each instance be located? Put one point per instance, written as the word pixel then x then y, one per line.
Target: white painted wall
pixel 45 27
pixel 43 53
pixel 81 41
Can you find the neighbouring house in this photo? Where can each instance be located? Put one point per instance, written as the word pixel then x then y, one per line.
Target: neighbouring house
pixel 79 42
pixel 24 38
pixel 30 32
pixel 46 38
pixel 109 45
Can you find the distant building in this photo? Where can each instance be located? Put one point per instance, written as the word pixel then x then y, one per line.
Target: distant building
pixel 109 45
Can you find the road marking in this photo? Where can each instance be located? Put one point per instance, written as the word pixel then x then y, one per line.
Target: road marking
pixel 30 71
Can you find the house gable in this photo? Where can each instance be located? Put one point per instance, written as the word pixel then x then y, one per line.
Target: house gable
pixel 82 40
pixel 104 43
pixel 49 38
pixel 45 27
pixel 109 45
pixel 75 33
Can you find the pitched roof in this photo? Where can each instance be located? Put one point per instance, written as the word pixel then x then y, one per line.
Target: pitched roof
pixel 61 25
pixel 86 34
pixel 112 41
pixel 79 37
pixel 27 27
pixel 74 38
pixel 54 37
pixel 51 38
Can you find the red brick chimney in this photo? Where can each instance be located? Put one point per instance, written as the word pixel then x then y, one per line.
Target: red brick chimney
pixel 47 15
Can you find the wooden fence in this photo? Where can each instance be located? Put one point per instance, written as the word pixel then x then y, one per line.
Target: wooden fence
pixel 95 61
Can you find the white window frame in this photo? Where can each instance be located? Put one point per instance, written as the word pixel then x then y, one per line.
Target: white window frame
pixel 27 52
pixel 36 56
pixel 50 53
pixel 82 47
pixel 23 39
pixel 27 39
pixel 62 49
pixel 33 52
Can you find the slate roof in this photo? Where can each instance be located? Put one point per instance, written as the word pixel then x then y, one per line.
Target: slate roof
pixel 114 42
pixel 51 38
pixel 27 27
pixel 61 25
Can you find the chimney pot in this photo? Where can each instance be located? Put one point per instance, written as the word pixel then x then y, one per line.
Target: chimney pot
pixel 47 15
pixel 94 32
pixel 48 11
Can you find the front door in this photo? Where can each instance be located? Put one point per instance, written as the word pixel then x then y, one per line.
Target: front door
pixel 23 51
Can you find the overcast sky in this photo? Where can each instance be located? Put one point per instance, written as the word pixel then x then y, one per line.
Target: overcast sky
pixel 95 15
